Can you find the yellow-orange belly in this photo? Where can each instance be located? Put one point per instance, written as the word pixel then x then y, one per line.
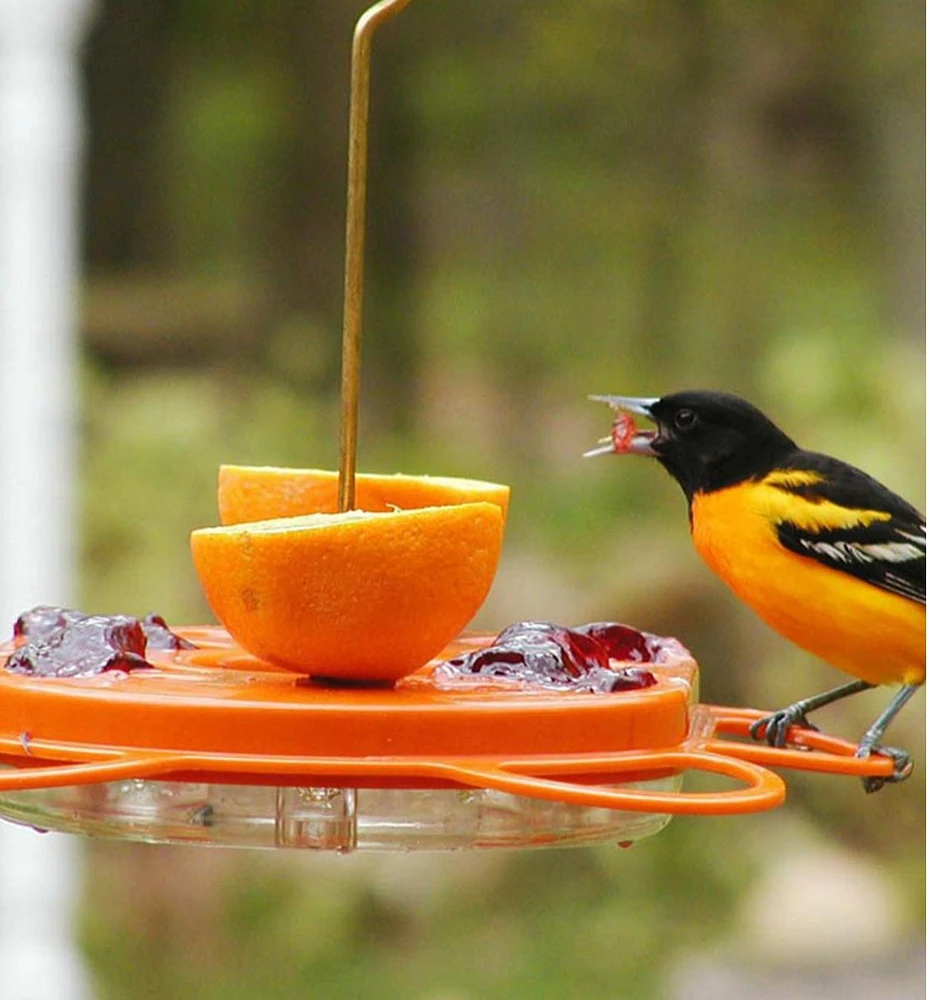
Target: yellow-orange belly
pixel 866 631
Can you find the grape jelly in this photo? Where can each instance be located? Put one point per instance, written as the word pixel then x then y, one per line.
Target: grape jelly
pixel 159 636
pixel 61 642
pixel 542 654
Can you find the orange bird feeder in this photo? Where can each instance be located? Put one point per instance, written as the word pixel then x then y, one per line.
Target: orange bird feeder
pixel 214 746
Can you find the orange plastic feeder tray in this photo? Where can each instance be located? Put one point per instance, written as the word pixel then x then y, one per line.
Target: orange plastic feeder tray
pixel 213 746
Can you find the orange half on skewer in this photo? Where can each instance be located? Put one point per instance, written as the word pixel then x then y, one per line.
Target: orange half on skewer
pixel 256 492
pixel 361 595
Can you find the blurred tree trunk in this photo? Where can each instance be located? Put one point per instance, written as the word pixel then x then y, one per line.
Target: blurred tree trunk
pixel 126 82
pixel 893 52
pixel 391 350
pixel 313 40
pixel 309 212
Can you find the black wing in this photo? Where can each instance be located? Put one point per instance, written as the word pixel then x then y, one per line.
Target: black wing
pixel 889 554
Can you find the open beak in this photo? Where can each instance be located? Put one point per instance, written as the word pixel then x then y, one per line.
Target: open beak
pixel 641 442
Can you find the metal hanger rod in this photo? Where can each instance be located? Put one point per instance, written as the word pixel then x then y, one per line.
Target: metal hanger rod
pixel 358 130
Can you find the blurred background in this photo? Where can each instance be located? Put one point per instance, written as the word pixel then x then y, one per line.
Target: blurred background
pixel 627 196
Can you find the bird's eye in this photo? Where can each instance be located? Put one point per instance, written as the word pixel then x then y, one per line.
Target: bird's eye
pixel 685 419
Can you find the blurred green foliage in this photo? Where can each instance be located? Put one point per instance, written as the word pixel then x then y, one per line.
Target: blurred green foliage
pixel 601 196
pixel 542 925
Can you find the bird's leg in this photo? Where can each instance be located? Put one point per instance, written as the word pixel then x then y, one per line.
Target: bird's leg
pixel 871 742
pixel 774 729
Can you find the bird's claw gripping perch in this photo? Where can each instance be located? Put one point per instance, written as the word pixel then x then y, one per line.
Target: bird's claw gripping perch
pixel 774 728
pixel 904 765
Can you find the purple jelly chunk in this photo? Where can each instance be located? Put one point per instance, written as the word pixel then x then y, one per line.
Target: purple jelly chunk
pixel 42 620
pixel 621 641
pixel 543 654
pixel 84 646
pixel 61 642
pixel 159 636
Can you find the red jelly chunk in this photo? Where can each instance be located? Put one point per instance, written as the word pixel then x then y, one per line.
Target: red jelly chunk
pixel 541 654
pixel 623 431
pixel 42 621
pixel 624 642
pixel 60 642
pixel 159 636
pixel 84 646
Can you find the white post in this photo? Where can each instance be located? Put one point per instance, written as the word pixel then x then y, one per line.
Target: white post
pixel 40 146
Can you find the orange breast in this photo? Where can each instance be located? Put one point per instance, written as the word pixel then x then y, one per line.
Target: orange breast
pixel 853 625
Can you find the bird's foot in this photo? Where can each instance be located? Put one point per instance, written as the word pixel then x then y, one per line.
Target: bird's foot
pixel 904 765
pixel 774 728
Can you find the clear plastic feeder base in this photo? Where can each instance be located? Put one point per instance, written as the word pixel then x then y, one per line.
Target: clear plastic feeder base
pixel 326 819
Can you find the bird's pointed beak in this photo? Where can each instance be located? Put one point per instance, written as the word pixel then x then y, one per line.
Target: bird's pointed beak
pixel 640 442
pixel 633 404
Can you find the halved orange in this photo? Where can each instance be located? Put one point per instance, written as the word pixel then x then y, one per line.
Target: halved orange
pixel 361 595
pixel 257 493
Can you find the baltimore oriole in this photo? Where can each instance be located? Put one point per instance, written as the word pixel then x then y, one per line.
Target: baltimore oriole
pixel 825 554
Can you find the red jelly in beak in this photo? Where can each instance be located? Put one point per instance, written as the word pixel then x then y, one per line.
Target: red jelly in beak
pixel 623 432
